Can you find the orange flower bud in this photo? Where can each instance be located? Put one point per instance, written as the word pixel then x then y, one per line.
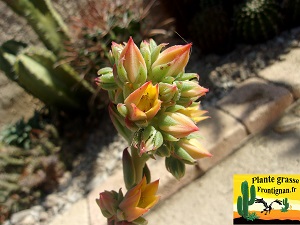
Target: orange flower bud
pixel 171 62
pixel 194 148
pixel 131 65
pixel 177 124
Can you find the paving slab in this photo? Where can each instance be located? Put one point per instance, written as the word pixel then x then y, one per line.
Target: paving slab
pixel 286 72
pixel 209 199
pixel 256 103
pixel 77 214
pixel 168 185
pixel 220 135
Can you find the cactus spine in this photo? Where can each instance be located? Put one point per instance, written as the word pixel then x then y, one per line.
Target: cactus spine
pixel 286 205
pixel 243 201
pixel 44 20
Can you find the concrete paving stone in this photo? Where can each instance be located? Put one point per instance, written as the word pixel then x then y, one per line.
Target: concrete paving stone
pixel 290 120
pixel 221 134
pixel 76 215
pixel 168 185
pixel 256 103
pixel 209 199
pixel 286 72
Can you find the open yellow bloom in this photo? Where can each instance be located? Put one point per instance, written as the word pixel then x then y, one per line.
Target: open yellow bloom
pixel 139 200
pixel 143 103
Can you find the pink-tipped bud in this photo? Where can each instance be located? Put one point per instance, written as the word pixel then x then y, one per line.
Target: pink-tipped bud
pixel 131 66
pixel 177 124
pixel 171 62
pixel 108 203
pixel 194 148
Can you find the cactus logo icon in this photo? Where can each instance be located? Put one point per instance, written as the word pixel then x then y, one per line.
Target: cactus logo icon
pixel 266 199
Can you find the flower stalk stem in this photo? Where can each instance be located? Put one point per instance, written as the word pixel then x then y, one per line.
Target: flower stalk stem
pixel 139 163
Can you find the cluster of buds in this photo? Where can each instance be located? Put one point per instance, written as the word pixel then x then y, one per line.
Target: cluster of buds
pixel 154 106
pixel 128 209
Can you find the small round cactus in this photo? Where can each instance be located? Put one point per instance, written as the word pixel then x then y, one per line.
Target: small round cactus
pixel 258 20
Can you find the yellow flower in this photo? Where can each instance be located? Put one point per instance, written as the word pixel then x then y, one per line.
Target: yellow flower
pixel 194 148
pixel 142 104
pixel 139 200
pixel 194 113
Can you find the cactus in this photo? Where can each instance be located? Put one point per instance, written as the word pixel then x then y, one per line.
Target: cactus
pixel 291 10
pixel 243 201
pixel 286 205
pixel 213 36
pixel 8 52
pixel 44 20
pixel 101 22
pixel 34 69
pixel 258 20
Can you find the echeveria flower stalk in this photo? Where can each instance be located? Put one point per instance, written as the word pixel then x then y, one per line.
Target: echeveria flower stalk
pixel 155 106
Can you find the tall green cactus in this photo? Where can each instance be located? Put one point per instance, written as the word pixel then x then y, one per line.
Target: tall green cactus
pixel 34 69
pixel 286 205
pixel 244 202
pixel 44 20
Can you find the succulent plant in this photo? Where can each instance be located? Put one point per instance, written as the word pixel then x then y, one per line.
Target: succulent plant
pixel 258 20
pixel 45 21
pixel 213 36
pixel 17 134
pixel 26 174
pixel 35 70
pixel 98 25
